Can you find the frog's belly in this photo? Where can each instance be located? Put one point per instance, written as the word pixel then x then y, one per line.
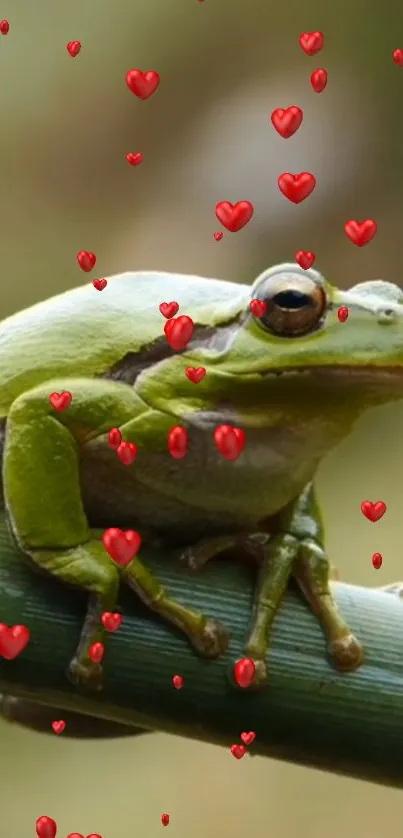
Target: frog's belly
pixel 203 493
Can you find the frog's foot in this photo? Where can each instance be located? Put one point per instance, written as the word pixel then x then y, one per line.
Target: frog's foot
pixel 212 640
pixel 346 652
pixel 85 674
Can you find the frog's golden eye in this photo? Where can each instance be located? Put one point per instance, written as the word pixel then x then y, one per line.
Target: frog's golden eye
pixel 294 303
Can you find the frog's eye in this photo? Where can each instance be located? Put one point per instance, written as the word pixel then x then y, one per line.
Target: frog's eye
pixel 294 303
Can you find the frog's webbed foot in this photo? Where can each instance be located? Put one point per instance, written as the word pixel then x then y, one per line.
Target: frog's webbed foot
pixel 85 674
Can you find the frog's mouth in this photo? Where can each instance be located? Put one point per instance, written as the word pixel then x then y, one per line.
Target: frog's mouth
pixel 365 373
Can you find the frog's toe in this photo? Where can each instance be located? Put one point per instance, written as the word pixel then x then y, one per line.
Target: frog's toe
pixel 87 675
pixel 346 652
pixel 213 639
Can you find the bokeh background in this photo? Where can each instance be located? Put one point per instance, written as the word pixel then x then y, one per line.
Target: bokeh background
pixel 66 126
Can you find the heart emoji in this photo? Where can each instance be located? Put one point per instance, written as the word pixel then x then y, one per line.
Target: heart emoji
pixel 234 216
pixel 73 48
pixel 244 672
pixel 96 652
pixel 143 85
pixel 195 374
pixel 60 401
pixel 311 42
pixel 397 57
pixel 377 561
pixel 179 331
pixel 86 260
pixel 296 187
pixel 46 827
pixel 342 313
pixel 373 511
pixel 121 546
pixel 134 159
pixel 59 726
pixel 13 641
pixel 111 620
pixel 4 27
pixel 218 236
pixel 229 441
pixel 169 310
pixel 178 682
pixel 238 751
pixel 319 80
pixel 361 233
pixel 114 438
pixel 287 121
pixel 178 442
pixel 165 819
pixel 258 307
pixel 79 835
pixel 248 738
pixel 127 453
pixel 305 259
pixel 99 284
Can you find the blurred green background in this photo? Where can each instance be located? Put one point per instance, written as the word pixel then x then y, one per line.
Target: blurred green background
pixel 66 126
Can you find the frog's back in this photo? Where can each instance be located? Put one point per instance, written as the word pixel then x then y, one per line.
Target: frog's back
pixel 85 332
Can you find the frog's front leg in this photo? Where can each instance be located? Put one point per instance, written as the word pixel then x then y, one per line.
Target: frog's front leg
pixel 41 477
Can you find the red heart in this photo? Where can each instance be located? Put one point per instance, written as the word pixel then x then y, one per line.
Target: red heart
pixel 373 511
pixel 121 546
pixel 99 284
pixel 134 159
pixel 377 560
pixel 4 27
pixel 178 442
pixel 311 42
pixel 142 84
pixel 46 827
pixel 73 47
pixel 342 314
pixel 229 441
pixel 248 738
pixel 60 401
pixel 397 57
pixel 12 641
pixel 127 453
pixel 178 331
pixel 169 309
pixel 195 374
pixel 165 819
pixel 296 187
pixel 305 259
pixel 238 751
pixel 287 121
pixel 258 307
pixel 114 437
pixel 218 236
pixel 234 216
pixel 111 620
pixel 361 233
pixel 96 652
pixel 244 672
pixel 59 726
pixel 86 260
pixel 178 682
pixel 319 80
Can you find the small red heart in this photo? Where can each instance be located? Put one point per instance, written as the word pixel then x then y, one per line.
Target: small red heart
pixel 305 259
pixel 59 726
pixel 229 441
pixel 121 546
pixel 311 42
pixel 238 751
pixel 342 313
pixel 195 374
pixel 287 121
pixel 218 236
pixel 377 561
pixel 96 652
pixel 178 682
pixel 134 159
pixel 127 453
pixel 111 620
pixel 319 80
pixel 178 442
pixel 142 84
pixel 248 738
pixel 169 310
pixel 46 827
pixel 397 57
pixel 296 187
pixel 361 233
pixel 234 216
pixel 4 27
pixel 373 511
pixel 99 284
pixel 86 260
pixel 244 672
pixel 60 401
pixel 114 437
pixel 75 835
pixel 165 819
pixel 73 48
pixel 13 641
pixel 258 307
pixel 179 331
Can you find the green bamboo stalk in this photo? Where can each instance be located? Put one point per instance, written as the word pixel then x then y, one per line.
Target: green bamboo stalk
pixel 308 714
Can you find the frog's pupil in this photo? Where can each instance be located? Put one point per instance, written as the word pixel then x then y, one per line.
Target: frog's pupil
pixel 292 299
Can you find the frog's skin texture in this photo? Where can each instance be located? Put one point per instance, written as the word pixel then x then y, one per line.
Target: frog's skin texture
pixel 295 380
